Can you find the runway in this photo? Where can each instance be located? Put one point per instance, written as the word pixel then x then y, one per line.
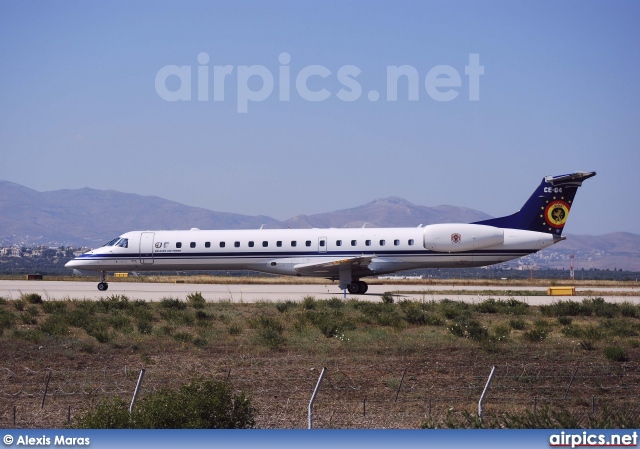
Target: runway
pixel 61 290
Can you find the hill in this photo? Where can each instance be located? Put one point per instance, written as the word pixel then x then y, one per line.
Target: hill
pixel 89 217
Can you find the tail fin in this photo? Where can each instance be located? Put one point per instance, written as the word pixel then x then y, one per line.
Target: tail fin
pixel 548 208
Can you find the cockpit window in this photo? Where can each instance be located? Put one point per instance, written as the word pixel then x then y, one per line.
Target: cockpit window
pixel 112 242
pixel 123 243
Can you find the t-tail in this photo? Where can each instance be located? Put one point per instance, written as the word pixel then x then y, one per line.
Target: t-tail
pixel 548 208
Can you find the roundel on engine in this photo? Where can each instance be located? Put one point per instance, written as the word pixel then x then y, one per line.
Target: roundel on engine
pixel 556 213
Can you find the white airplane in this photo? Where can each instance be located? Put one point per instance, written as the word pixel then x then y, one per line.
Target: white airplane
pixel 346 254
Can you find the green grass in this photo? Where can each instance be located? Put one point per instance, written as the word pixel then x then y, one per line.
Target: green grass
pixel 326 326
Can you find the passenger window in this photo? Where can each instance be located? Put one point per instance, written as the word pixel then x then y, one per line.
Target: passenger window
pixel 192 244
pixel 237 244
pixel 250 244
pixel 222 244
pixel 410 242
pixel 179 245
pixel 322 243
pixel 354 242
pixel 265 244
pixel 382 242
pixel 279 243
pixel 338 242
pixel 207 244
pixel 308 243
pixel 367 242
pixel 294 243
pixel 396 242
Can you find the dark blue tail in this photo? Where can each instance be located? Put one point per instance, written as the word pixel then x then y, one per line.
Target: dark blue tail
pixel 548 208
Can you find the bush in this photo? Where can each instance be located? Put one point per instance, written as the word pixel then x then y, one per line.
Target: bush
pixel 565 320
pixel 566 308
pixel 282 307
pixel 31 298
pixel 196 300
pixel 172 304
pixel 615 354
pixel 309 303
pixel 387 298
pixel 114 302
pixel 110 413
pixel 7 320
pixel 518 324
pixel 196 405
pixel 536 335
pixel 54 306
pixel 270 332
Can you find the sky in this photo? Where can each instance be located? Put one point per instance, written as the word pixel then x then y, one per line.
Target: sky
pixel 283 108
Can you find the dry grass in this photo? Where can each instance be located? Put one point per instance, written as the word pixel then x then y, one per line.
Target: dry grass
pixel 365 357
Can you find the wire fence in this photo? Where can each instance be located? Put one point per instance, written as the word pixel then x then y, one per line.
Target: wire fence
pixel 351 395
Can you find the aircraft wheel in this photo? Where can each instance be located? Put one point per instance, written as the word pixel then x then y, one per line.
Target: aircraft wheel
pixel 103 286
pixel 354 287
pixel 363 287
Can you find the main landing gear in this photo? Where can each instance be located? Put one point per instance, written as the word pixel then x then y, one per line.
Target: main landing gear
pixel 103 286
pixel 357 287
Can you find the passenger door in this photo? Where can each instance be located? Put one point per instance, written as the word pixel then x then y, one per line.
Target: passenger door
pixel 146 247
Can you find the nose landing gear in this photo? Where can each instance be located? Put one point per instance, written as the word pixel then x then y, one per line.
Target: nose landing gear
pixel 103 286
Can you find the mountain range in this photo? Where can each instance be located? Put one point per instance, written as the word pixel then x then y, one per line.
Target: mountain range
pixel 89 217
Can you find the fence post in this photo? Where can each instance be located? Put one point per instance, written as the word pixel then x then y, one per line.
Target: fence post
pixel 46 387
pixel 313 398
pixel 570 382
pixel 14 416
pixel 400 386
pixel 484 392
pixel 135 393
pixel 364 407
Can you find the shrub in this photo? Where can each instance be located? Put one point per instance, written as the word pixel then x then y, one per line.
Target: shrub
pixel 309 303
pixel 31 298
pixel 282 307
pixel 387 297
pixel 196 405
pixel 54 306
pixel 501 332
pixel 629 310
pixel 270 332
pixel 172 303
pixel 54 325
pixel 565 320
pixel 536 335
pixel 7 320
pixel 110 413
pixel 114 302
pixel 615 354
pixel 196 300
pixel 471 329
pixel 565 308
pixel 144 326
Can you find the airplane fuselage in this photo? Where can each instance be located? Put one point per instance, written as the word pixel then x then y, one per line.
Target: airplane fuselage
pixel 286 251
pixel 346 254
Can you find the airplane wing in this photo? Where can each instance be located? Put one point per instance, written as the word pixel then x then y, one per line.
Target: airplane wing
pixel 331 268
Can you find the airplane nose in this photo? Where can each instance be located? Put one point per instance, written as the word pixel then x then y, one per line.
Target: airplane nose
pixel 71 264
